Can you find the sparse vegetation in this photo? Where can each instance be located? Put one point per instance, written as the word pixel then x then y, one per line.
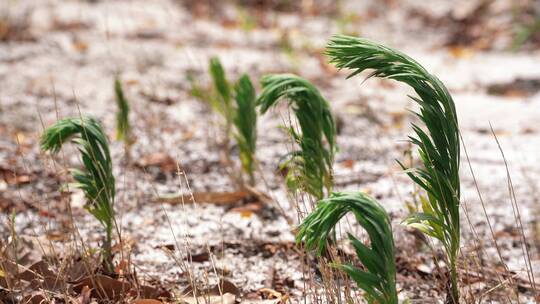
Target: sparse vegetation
pixel 438 147
pixel 197 211
pixel 310 169
pixel 96 179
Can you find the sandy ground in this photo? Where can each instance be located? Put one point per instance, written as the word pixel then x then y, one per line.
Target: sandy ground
pixel 65 62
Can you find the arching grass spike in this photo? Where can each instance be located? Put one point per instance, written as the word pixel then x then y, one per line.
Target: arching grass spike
pixel 378 278
pixel 96 179
pixel 317 141
pixel 437 142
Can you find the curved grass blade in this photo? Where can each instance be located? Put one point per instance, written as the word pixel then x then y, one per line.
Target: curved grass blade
pixel 316 123
pixel 378 279
pixel 96 180
pixel 438 143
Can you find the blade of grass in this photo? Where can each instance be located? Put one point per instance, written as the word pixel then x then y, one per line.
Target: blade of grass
pixel 245 121
pixel 96 180
pixel 378 278
pixel 312 165
pixel 438 145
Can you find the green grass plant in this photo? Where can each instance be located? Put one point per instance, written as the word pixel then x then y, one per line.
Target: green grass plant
pixel 437 143
pixel 311 167
pixel 96 179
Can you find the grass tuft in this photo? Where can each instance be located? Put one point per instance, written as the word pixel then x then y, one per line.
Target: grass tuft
pixel 438 146
pixel 312 166
pixel 96 180
pixel 378 278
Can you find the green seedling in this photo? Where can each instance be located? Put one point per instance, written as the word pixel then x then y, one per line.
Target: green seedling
pixel 240 119
pixel 245 121
pixel 438 146
pixel 96 179
pixel 378 276
pixel 221 102
pixel 311 168
pixel 122 114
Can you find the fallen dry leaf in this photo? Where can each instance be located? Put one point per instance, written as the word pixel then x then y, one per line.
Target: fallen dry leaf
pixel 215 299
pixel 199 257
pixel 223 287
pixel 121 267
pixel 103 287
pixel 37 298
pixel 149 292
pixel 224 292
pixel 161 160
pixel 146 301
pixel 247 210
pixel 270 293
pixel 12 177
pixel 217 198
pixel 518 88
pixel 84 296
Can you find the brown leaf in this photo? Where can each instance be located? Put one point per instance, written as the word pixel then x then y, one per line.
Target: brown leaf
pixel 146 301
pixel 149 292
pixel 121 267
pixel 161 160
pixel 199 257
pixel 49 283
pixel 215 299
pixel 223 287
pixel 37 271
pixel 461 51
pixel 247 210
pixel 104 287
pixel 37 298
pixel 169 247
pixel 348 163
pixel 218 198
pixel 12 177
pixel 270 293
pixel 84 296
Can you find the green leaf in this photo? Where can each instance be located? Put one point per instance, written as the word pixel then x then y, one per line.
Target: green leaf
pixel 245 121
pixel 122 114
